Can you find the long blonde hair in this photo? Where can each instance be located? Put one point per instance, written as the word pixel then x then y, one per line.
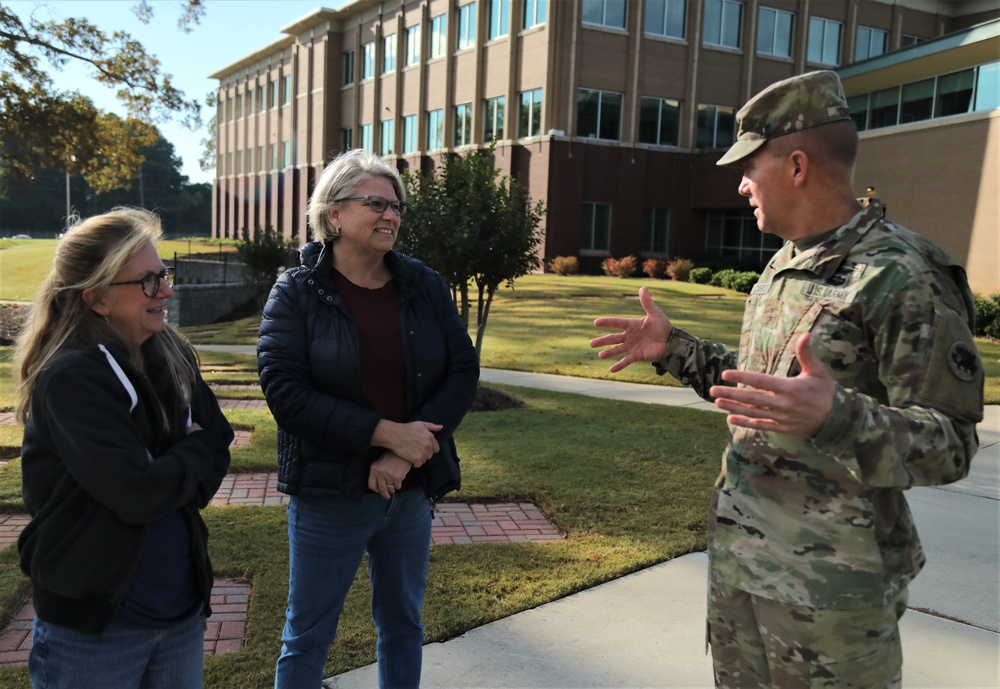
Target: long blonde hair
pixel 90 255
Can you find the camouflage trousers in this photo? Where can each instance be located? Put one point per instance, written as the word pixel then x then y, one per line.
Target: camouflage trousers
pixel 759 643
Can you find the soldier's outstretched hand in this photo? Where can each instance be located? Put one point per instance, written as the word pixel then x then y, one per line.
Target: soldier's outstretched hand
pixel 796 406
pixel 640 339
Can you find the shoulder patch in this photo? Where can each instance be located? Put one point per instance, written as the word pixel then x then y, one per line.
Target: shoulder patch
pixel 963 361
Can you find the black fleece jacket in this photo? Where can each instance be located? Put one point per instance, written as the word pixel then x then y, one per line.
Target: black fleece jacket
pixel 91 487
pixel 310 371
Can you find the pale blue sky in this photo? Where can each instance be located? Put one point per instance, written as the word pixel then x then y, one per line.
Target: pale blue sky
pixel 229 30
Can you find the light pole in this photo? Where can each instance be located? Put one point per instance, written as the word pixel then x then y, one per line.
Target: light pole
pixel 72 159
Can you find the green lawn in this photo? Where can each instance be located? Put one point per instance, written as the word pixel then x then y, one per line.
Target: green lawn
pixel 627 483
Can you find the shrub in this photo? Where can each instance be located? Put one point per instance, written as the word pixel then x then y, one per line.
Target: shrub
pixel 655 268
pixel 988 316
pixel 743 282
pixel 565 265
pixel 620 267
pixel 680 268
pixel 721 278
pixel 701 276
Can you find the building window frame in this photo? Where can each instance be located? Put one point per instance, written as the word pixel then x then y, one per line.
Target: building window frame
pixel 601 119
pixel 346 139
pixel 389 52
pixel 273 85
pixel 347 68
pixel 412 46
pixel 286 154
pixel 466 35
pixel 666 18
pixel 822 48
pixel 368 61
pixel 723 126
pixel 463 124
pixel 499 19
pixel 530 114
pixel 871 42
pixel 387 140
pixel 410 143
pixel 775 32
pixel 655 231
pixel 366 137
pixel 668 120
pixel 608 13
pixel 595 229
pixel 534 13
pixel 286 89
pixel 732 232
pixel 493 119
pixel 439 36
pixel 435 129
pixel 721 30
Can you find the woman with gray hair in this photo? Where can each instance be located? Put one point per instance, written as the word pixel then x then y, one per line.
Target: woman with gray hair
pixel 368 370
pixel 123 444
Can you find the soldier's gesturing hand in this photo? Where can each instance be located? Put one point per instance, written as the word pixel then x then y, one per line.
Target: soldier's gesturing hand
pixel 797 406
pixel 640 339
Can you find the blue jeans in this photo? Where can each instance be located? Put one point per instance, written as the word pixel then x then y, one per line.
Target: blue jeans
pixel 118 658
pixel 327 539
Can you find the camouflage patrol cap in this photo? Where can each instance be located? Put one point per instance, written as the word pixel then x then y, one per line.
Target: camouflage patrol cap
pixel 788 106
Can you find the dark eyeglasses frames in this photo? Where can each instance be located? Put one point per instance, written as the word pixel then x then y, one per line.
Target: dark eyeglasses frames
pixel 151 283
pixel 377 203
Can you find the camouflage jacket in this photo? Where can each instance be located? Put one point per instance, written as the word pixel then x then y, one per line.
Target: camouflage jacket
pixel 822 521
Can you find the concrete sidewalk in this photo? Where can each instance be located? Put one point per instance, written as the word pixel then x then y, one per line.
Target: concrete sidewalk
pixel 647 630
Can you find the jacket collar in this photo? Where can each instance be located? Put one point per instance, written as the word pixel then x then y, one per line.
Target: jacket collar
pixel 825 258
pixel 317 258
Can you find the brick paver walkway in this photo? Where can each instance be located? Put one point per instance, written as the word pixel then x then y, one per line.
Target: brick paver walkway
pixel 224 633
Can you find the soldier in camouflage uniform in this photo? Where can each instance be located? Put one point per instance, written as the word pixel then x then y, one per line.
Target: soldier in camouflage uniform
pixel 857 377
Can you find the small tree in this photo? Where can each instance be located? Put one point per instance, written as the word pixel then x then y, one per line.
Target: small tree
pixel 474 227
pixel 263 256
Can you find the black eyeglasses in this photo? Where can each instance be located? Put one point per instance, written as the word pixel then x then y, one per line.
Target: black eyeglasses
pixel 377 203
pixel 151 283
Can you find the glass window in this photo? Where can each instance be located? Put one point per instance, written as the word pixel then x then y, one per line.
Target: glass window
pixel 348 68
pixel 723 23
pixel 239 105
pixel 499 18
pixel 955 93
pixel 286 90
pixel 858 106
pixel 435 129
pixel 988 87
pixel 871 43
pixel 824 41
pixel 389 54
pixel 409 134
pixel 439 35
pixel 239 162
pixel 884 108
pixel 367 61
pixel 917 101
pixel 493 121
pixel 595 227
pixel 466 26
pixel 734 233
pixel 261 163
pixel 665 17
pixel 716 126
pixel 655 230
pixel 599 114
pixel 659 122
pixel 346 139
pixel 609 13
pixel 366 137
pixel 529 121
pixel 463 124
pixel 413 45
pixel 286 153
pixel 274 93
pixel 274 156
pixel 534 13
pixel 387 142
pixel 260 97
pixel 774 33
pixel 906 41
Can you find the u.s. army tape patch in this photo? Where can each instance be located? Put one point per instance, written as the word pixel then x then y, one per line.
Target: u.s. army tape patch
pixel 963 361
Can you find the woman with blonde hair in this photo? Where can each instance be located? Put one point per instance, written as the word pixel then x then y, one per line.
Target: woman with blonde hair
pixel 123 444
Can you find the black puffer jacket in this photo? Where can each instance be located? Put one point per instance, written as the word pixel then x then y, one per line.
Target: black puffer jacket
pixel 309 365
pixel 91 489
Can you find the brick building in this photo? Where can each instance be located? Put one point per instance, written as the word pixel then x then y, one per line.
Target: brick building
pixel 613 112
